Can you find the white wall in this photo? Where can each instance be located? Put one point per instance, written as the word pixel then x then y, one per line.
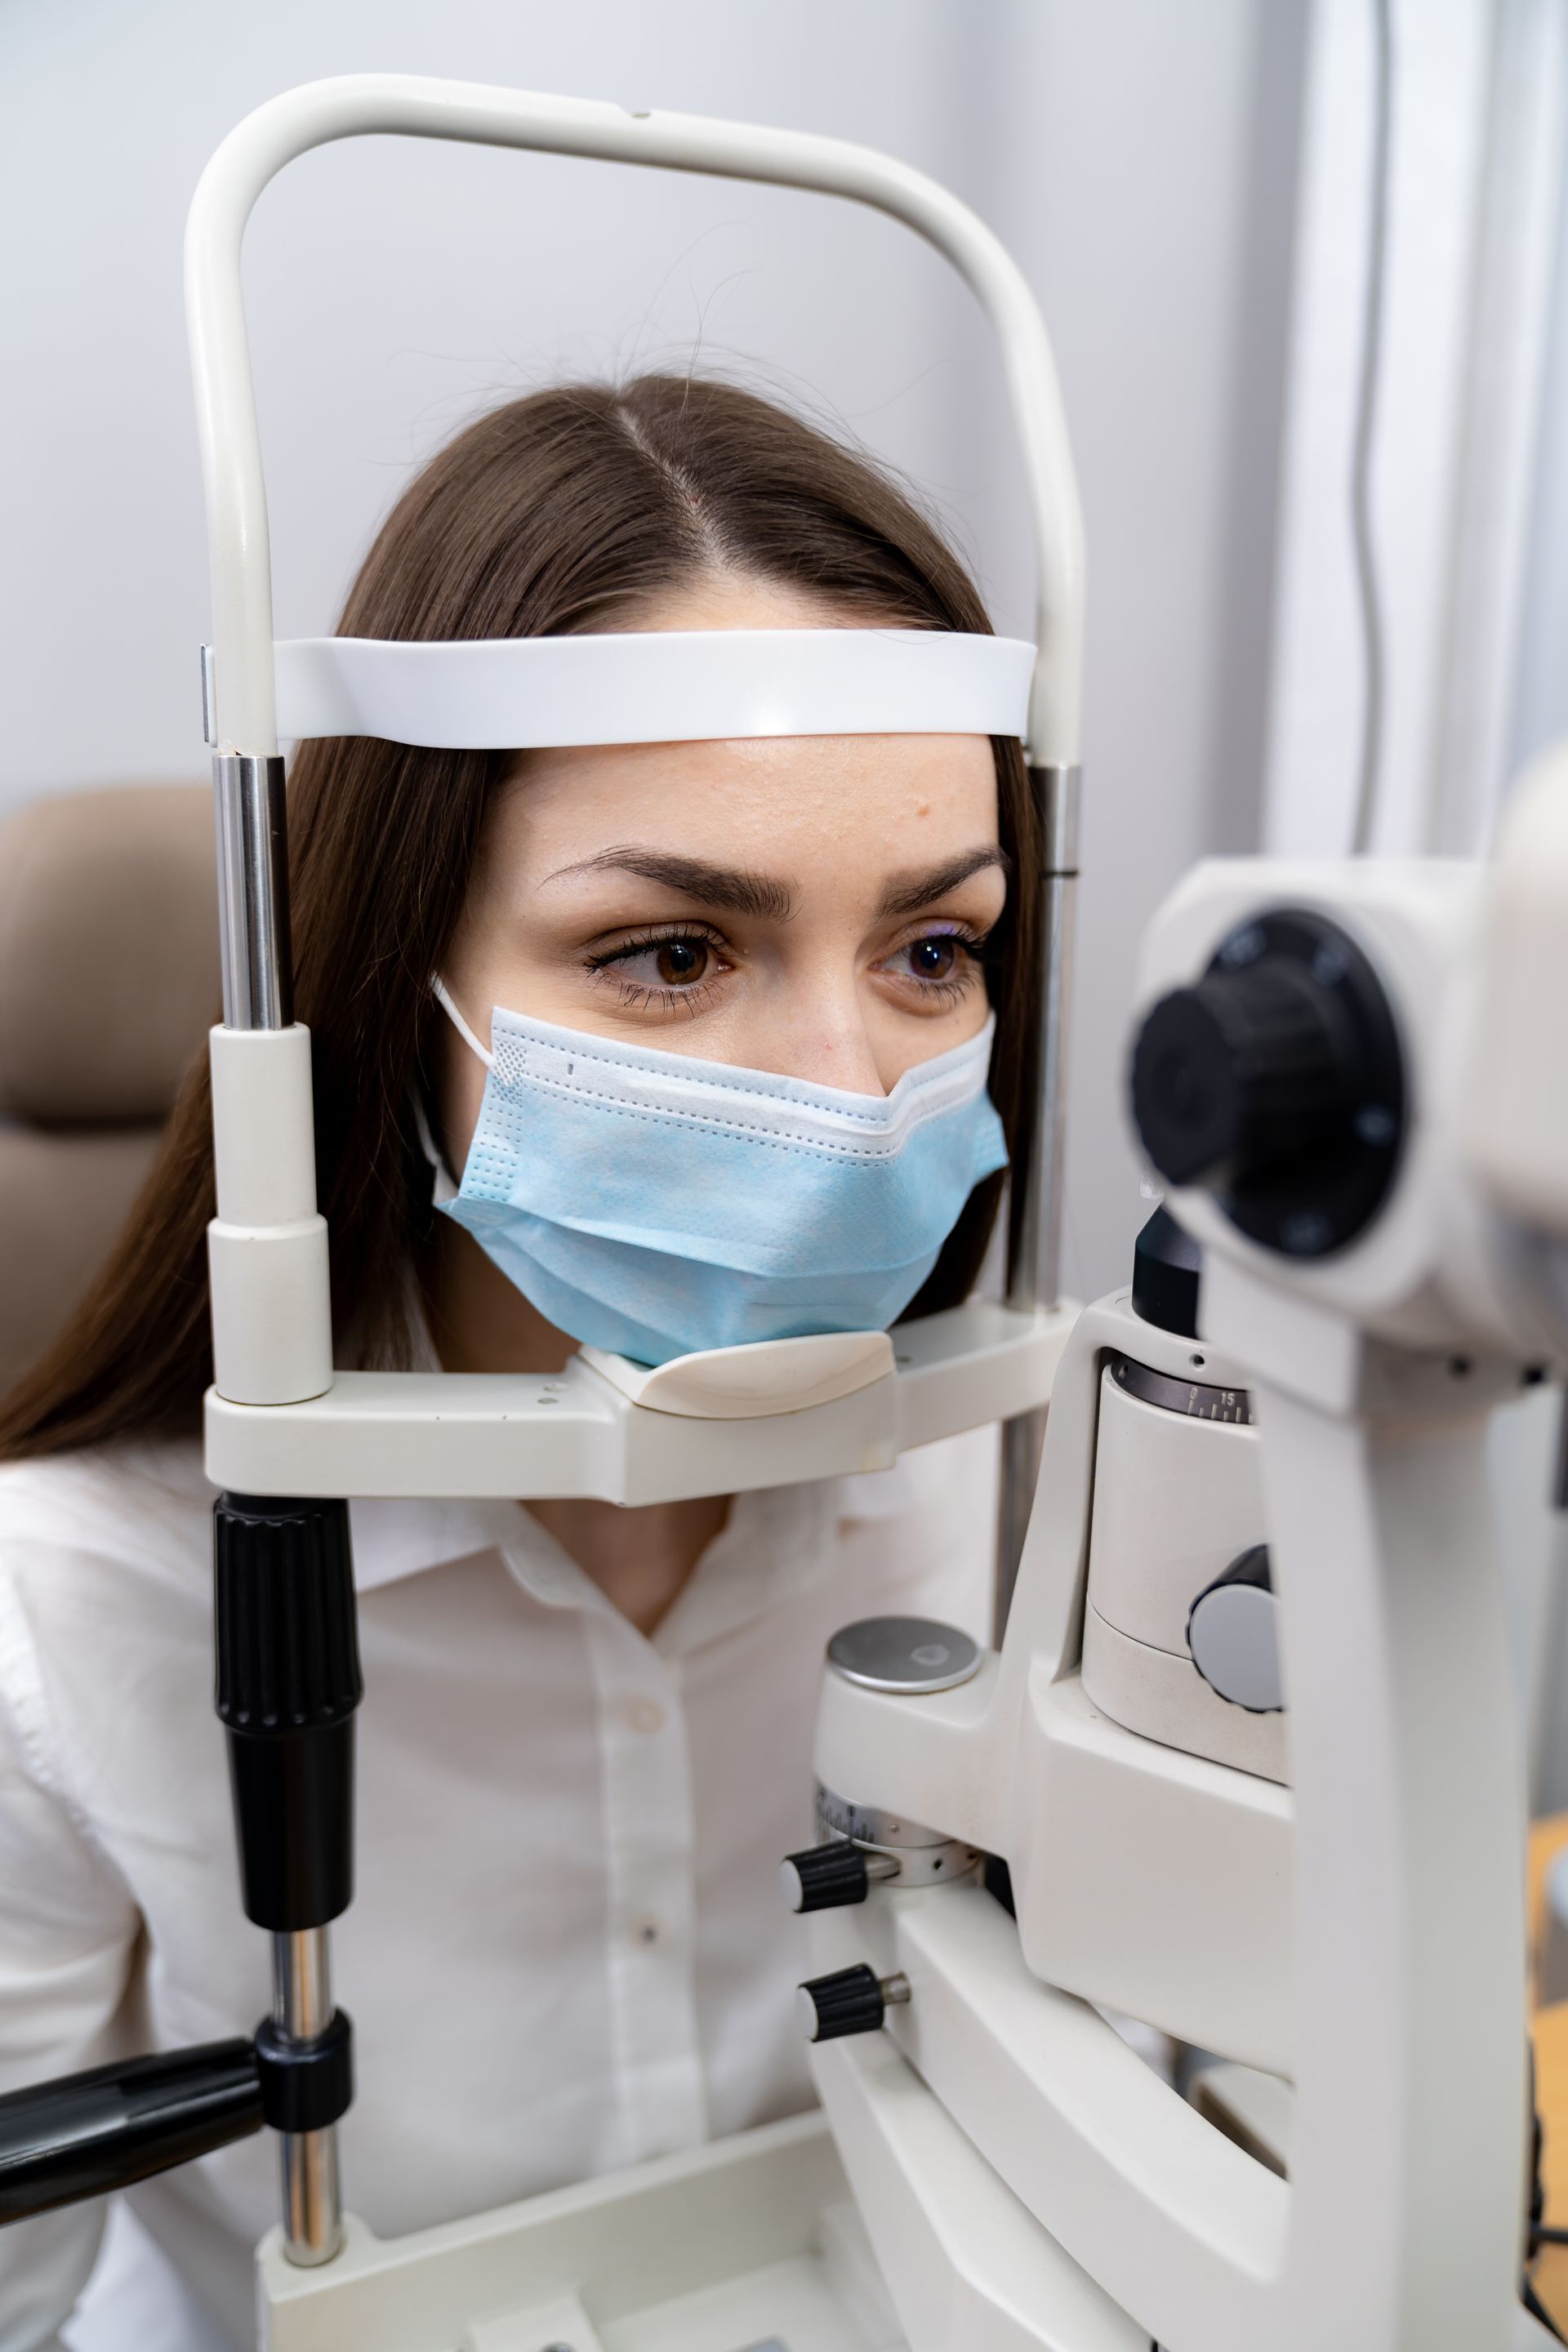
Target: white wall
pixel 1139 158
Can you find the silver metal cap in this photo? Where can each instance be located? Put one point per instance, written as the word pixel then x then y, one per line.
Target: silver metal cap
pixel 911 1655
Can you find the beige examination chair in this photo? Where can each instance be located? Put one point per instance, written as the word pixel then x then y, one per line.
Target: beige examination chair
pixel 108 978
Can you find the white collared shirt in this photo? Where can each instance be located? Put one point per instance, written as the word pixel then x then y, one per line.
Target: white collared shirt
pixel 567 1950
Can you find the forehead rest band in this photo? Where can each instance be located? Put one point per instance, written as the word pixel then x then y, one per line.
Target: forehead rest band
pixel 653 687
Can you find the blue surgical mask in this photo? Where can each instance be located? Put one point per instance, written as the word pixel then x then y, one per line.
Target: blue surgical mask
pixel 653 1203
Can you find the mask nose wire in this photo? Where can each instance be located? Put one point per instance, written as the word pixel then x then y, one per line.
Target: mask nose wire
pixel 444 998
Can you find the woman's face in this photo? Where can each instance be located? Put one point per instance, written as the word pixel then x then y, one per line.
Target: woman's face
pixel 816 905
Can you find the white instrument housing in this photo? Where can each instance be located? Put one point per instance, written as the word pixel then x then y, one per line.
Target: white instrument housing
pixel 1177 1499
pixel 1441 1266
pixel 1320 1927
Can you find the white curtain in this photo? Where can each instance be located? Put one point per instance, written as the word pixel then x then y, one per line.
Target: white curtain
pixel 1470 524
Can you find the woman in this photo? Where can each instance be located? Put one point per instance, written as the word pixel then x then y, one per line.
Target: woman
pixel 586 1736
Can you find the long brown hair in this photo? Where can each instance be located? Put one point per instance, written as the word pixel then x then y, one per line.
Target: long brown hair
pixel 565 511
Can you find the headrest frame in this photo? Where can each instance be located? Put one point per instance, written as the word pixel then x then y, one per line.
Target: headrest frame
pixel 653 686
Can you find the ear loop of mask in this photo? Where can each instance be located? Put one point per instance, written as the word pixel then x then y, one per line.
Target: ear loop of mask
pixel 446 1187
pixel 447 1002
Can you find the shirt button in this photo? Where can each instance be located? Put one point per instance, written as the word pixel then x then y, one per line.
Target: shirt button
pixel 645 1714
pixel 648 1932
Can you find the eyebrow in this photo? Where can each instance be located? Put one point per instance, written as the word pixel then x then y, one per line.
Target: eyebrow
pixel 761 896
pixel 909 895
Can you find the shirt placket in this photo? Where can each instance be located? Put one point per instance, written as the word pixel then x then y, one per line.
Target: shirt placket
pixel 649 1823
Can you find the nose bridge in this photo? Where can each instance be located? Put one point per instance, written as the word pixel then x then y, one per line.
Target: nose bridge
pixel 817 1027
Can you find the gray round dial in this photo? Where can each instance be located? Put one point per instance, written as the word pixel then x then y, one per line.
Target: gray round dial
pixel 912 1654
pixel 1233 1632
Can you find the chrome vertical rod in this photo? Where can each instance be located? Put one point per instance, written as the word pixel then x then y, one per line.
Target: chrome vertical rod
pixel 1036 1266
pixel 301 1983
pixel 303 2010
pixel 251 826
pixel 253 892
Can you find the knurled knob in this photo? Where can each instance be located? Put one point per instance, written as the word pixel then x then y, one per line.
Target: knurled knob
pixel 850 2000
pixel 824 1877
pixel 1240 1074
pixel 1275 1083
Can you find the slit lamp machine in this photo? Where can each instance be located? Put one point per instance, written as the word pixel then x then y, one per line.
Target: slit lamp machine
pixel 1244 1765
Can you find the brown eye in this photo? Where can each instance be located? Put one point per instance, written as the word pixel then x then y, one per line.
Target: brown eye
pixel 934 959
pixel 679 962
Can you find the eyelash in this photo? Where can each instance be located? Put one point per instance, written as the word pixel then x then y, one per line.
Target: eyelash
pixel 638 995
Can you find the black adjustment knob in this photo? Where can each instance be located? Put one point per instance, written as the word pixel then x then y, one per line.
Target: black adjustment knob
pixel 1237 1074
pixel 87 2135
pixel 289 1682
pixel 850 2000
pixel 1275 1082
pixel 1233 1632
pixel 1167 1267
pixel 824 1877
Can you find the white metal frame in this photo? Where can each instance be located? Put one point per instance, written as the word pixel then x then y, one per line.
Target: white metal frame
pixel 268 1246
pixel 362 105
pixel 647 686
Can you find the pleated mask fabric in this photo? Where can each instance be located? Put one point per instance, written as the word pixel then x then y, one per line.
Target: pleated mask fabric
pixel 654 1203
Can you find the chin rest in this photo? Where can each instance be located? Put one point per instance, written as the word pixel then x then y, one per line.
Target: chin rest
pixel 745 1382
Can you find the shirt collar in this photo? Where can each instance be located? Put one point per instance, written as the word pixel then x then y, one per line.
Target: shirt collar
pixel 393 1540
pixel 776 1544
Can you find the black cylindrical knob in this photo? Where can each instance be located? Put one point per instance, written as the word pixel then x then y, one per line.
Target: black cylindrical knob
pixel 824 1876
pixel 1240 1074
pixel 850 2000
pixel 288 1684
pixel 89 2134
pixel 1167 1267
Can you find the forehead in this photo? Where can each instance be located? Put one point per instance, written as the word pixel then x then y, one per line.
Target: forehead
pixel 806 800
